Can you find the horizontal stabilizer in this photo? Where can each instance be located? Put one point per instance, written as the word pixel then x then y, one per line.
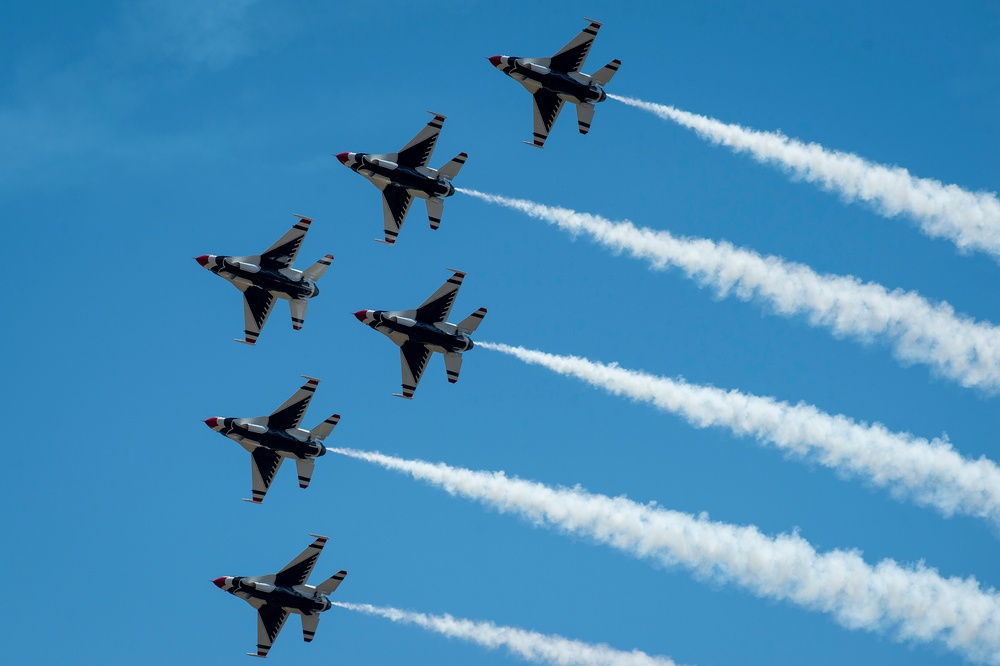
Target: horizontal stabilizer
pixel 602 77
pixel 453 364
pixel 435 208
pixel 584 116
pixel 471 323
pixel 451 169
pixel 330 585
pixel 323 430
pixel 315 272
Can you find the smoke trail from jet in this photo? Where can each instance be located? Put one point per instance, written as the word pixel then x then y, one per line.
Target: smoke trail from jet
pixel 528 645
pixel 954 345
pixel 969 219
pixel 915 603
pixel 931 473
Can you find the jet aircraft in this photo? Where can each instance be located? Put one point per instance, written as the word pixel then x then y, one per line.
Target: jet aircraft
pixel 277 595
pixel 424 330
pixel 552 81
pixel 404 175
pixel 262 277
pixel 271 439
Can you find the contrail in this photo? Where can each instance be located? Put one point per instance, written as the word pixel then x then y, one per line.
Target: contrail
pixel 954 345
pixel 969 219
pixel 528 645
pixel 915 603
pixel 932 473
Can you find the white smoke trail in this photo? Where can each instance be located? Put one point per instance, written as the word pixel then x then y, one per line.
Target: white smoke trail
pixel 932 473
pixel 916 603
pixel 920 331
pixel 969 219
pixel 528 645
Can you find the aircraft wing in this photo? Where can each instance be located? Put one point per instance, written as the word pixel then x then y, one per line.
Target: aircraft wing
pixel 284 250
pixel 290 414
pixel 270 620
pixel 413 357
pixel 257 305
pixel 438 306
pixel 264 464
pixel 395 205
pixel 571 57
pixel 547 106
pixel 297 571
pixel 418 151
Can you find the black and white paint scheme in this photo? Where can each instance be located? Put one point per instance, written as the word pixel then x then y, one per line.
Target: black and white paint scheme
pixel 276 595
pixel 404 175
pixel 271 439
pixel 264 277
pixel 553 81
pixel 424 330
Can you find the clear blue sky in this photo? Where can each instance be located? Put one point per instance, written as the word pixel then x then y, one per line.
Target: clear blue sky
pixel 136 136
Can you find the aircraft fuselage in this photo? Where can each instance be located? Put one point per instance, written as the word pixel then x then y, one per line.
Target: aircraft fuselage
pixel 286 283
pixel 443 338
pixel 423 185
pixel 303 602
pixel 284 443
pixel 569 88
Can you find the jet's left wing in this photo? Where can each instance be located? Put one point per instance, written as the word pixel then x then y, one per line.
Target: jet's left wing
pixel 297 571
pixel 547 106
pixel 290 414
pixel 264 464
pixel 284 250
pixel 395 205
pixel 438 306
pixel 571 57
pixel 413 357
pixel 257 305
pixel 418 151
pixel 270 620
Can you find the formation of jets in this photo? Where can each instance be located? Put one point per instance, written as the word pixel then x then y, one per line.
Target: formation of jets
pixel 418 333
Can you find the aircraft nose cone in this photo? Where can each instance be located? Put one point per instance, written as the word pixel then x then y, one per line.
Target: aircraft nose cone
pixel 203 259
pixel 342 157
pixel 494 60
pixel 211 422
pixel 360 315
pixel 220 582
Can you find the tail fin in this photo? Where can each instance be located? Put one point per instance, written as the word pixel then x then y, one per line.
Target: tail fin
pixel 323 430
pixel 316 271
pixel 330 584
pixel 471 323
pixel 451 169
pixel 602 77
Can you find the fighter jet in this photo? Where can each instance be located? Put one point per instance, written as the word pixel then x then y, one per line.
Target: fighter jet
pixel 404 175
pixel 277 595
pixel 262 277
pixel 271 439
pixel 424 330
pixel 552 81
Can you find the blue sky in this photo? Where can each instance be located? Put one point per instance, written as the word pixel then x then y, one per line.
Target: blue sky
pixel 137 136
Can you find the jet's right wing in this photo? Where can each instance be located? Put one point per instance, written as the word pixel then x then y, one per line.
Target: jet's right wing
pixel 284 250
pixel 264 464
pixel 257 305
pixel 395 205
pixel 297 571
pixel 270 620
pixel 546 105
pixel 571 57
pixel 418 151
pixel 290 414
pixel 413 357
pixel 437 307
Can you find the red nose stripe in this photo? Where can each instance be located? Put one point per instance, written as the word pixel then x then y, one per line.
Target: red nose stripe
pixel 211 422
pixel 360 315
pixel 203 259
pixel 342 157
pixel 494 60
pixel 220 582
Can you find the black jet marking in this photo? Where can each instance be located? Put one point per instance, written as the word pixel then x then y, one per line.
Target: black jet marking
pixel 398 200
pixel 267 463
pixel 291 416
pixel 259 301
pixel 548 105
pixel 437 310
pixel 416 356
pixel 272 618
pixel 572 59
pixel 420 153
pixel 298 573
pixel 283 255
